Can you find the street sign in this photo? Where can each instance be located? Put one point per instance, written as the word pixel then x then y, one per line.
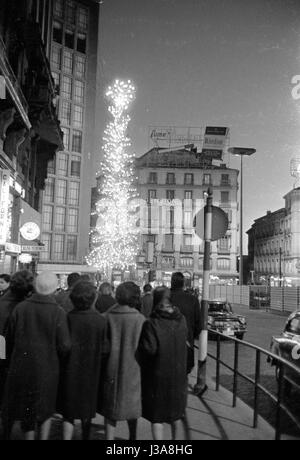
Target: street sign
pixel 34 249
pixel 220 223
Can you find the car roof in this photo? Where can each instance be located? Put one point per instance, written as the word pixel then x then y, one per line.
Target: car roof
pixel 218 301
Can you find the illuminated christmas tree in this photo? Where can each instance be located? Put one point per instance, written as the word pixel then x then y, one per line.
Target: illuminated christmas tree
pixel 114 241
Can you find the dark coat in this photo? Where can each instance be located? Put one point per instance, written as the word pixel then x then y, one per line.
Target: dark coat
pixel 164 367
pixel 37 339
pixel 104 303
pixel 120 395
pixel 190 308
pixel 81 374
pixel 63 299
pixel 147 305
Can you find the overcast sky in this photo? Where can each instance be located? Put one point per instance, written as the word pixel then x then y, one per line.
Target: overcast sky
pixel 213 62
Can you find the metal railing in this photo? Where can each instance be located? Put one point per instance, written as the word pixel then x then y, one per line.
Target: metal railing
pixel 284 371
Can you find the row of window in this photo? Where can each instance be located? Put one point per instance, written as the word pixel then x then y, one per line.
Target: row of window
pixel 188 262
pixel 188 195
pixel 67 62
pixel 224 244
pixel 72 89
pixel 70 38
pixel 60 219
pixel 72 13
pixel 65 165
pixel 62 192
pixel 59 247
pixel 188 179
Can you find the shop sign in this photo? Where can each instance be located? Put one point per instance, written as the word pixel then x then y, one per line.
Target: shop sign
pixel 4 204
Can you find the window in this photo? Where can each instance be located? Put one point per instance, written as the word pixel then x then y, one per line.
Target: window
pixel 188 195
pixel 207 179
pixel 75 167
pixel 65 112
pixel 61 191
pixel 189 179
pixel 151 195
pixel 49 190
pixel 170 217
pixel 77 141
pixel 224 244
pixel 58 247
pixel 71 248
pixel 56 78
pixel 78 116
pixel 46 240
pixel 169 242
pixel 81 43
pixel 83 18
pixel 47 218
pixel 51 167
pixel 57 32
pixel 59 9
pixel 152 178
pixel 224 197
pixel 171 179
pixel 223 264
pixel 69 38
pixel 187 262
pixel 73 221
pixel 79 92
pixel 80 66
pixel 225 179
pixel 66 88
pixel 74 189
pixel 60 219
pixel 71 13
pixel 56 58
pixel 66 132
pixel 62 164
pixel 170 195
pixel 188 219
pixel 187 241
pixel 68 61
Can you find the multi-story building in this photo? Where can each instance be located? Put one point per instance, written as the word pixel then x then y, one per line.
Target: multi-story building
pixel 30 133
pixel 274 244
pixel 66 200
pixel 172 185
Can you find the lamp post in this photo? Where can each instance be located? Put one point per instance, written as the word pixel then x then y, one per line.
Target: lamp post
pixel 241 152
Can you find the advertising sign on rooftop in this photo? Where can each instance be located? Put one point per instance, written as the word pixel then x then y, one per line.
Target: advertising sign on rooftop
pixel 214 142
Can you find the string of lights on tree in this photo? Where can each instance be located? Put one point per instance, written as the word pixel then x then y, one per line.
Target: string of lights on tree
pixel 114 241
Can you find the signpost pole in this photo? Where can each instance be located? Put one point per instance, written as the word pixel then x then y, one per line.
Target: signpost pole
pixel 201 386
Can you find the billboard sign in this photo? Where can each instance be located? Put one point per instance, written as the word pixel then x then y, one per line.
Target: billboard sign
pixel 169 136
pixel 214 142
pixel 4 204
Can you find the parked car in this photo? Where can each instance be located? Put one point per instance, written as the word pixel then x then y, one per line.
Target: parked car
pixel 221 318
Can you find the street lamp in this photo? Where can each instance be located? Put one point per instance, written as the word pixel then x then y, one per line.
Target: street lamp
pixel 240 151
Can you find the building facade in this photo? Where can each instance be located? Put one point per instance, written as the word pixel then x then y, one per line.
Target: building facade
pixel 274 244
pixel 65 203
pixel 172 185
pixel 30 132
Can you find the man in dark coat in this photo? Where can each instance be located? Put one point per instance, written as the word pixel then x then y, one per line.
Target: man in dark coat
pixel 82 372
pixel 105 299
pixel 147 301
pixel 164 362
pixel 190 308
pixel 37 339
pixel 63 297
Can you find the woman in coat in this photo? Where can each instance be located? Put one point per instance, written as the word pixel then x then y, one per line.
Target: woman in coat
pixel 120 395
pixel 82 373
pixel 37 339
pixel 163 348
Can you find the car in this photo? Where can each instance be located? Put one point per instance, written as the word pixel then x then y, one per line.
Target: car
pixel 221 318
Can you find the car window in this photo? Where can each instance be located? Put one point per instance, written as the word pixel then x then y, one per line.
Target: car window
pixel 219 307
pixel 294 326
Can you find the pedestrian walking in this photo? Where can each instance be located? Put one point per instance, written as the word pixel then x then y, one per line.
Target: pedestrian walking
pixel 164 365
pixel 37 340
pixel 190 308
pixel 63 297
pixel 105 299
pixel 4 284
pixel 82 372
pixel 120 396
pixel 147 301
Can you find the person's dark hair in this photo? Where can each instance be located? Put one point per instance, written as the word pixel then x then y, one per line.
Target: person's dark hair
pixel 147 288
pixel 105 289
pixel 177 281
pixel 129 294
pixel 159 295
pixel 72 279
pixel 5 277
pixel 83 295
pixel 21 284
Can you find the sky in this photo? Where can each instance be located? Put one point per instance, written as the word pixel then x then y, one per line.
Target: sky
pixel 212 63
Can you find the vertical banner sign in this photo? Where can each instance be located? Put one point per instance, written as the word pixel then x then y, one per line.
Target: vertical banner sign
pixel 2 88
pixel 4 204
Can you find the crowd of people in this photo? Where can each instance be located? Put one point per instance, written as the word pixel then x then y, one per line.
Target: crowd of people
pixel 83 352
